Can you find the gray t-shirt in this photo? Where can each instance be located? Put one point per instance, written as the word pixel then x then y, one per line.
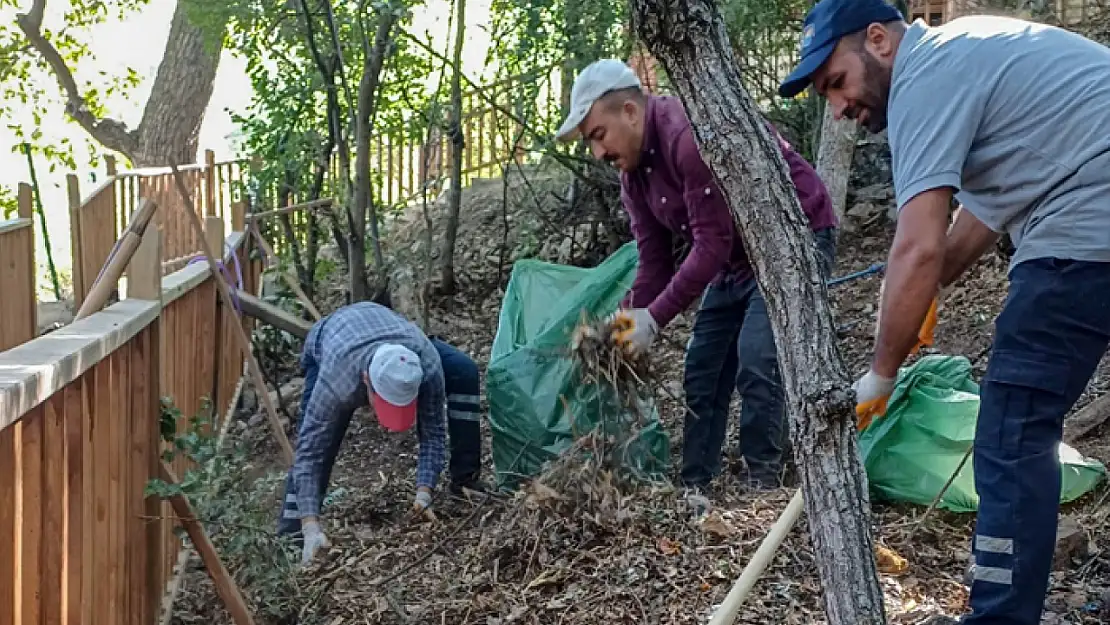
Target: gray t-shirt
pixel 1016 117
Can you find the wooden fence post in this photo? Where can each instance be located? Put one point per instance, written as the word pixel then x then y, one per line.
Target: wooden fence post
pixel 73 189
pixel 144 272
pixel 214 234
pixel 239 217
pixel 26 205
pixel 110 164
pixel 210 184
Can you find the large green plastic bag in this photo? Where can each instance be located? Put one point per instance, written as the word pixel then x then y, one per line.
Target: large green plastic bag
pixel 533 388
pixel 929 425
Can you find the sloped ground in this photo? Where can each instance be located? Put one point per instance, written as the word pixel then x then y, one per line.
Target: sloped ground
pixel 640 558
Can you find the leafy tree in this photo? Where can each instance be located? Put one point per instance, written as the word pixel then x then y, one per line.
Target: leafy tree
pixel 172 116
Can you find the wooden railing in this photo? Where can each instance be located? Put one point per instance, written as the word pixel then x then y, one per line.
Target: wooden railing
pixel 98 219
pixel 79 440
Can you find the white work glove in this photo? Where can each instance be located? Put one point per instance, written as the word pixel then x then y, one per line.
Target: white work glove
pixel 314 539
pixel 422 505
pixel 872 392
pixel 634 329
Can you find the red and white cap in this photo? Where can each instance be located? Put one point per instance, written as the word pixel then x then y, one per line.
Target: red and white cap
pixel 395 375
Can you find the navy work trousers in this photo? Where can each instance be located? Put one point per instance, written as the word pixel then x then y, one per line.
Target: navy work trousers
pixel 732 346
pixel 463 389
pixel 1049 338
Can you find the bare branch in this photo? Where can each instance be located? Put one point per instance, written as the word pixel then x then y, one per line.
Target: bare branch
pixel 113 134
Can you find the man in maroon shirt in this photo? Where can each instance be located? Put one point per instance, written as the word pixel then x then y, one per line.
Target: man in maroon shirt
pixel 668 190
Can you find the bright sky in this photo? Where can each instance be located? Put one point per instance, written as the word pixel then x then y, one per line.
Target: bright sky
pixel 138 42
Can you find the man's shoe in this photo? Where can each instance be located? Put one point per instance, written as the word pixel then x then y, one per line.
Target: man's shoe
pixel 470 487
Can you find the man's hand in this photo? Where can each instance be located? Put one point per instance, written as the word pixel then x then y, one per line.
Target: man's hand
pixel 422 505
pixel 872 392
pixel 634 329
pixel 314 539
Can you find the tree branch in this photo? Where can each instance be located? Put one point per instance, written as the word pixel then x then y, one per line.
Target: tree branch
pixel 113 134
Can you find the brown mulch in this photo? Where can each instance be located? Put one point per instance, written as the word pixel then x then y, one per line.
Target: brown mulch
pixel 546 555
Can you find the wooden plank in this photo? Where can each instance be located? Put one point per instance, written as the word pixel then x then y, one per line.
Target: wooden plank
pixel 7 527
pixel 17 282
pixel 74 523
pixel 53 510
pixel 143 445
pixel 28 516
pixel 225 585
pixel 73 190
pixel 119 520
pixel 101 493
pixel 265 311
pixel 88 500
pixel 35 370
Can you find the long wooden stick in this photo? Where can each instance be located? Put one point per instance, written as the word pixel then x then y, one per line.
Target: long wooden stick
pixel 289 279
pixel 726 613
pixel 307 206
pixel 225 585
pixel 240 333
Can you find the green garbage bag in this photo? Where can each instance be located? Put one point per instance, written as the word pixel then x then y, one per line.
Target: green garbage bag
pixel 533 388
pixel 929 425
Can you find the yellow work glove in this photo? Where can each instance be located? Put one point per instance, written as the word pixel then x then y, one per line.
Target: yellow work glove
pixel 633 329
pixel 925 334
pixel 872 393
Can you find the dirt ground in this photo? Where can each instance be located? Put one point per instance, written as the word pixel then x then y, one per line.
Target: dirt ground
pixel 643 559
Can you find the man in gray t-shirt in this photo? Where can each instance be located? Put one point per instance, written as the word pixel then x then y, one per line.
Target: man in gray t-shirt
pixel 1011 118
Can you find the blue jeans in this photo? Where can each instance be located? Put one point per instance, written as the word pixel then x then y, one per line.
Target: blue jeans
pixel 732 345
pixel 1049 338
pixel 463 389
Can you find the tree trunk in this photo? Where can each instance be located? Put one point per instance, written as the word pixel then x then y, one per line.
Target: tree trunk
pixel 367 92
pixel 458 144
pixel 689 39
pixel 834 157
pixel 170 128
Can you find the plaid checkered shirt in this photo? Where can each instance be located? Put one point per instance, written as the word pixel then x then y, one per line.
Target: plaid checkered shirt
pixel 342 345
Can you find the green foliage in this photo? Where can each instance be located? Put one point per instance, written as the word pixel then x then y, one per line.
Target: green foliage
pixel 28 85
pixel 9 204
pixel 236 512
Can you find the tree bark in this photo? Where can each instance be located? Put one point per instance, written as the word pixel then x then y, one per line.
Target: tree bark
pixel 169 131
pixel 834 157
pixel 458 144
pixel 688 37
pixel 367 99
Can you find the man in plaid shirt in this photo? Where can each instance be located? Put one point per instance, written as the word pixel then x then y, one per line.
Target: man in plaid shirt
pixel 363 354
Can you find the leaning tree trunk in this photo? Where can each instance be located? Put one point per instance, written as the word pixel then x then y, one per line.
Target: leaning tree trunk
pixel 834 157
pixel 689 38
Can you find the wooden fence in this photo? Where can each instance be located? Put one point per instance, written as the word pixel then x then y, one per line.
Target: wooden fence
pixel 98 219
pixel 79 439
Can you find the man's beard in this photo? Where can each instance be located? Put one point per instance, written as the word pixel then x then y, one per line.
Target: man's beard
pixel 876 80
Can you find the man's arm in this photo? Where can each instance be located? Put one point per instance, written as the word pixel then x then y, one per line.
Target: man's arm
pixel 431 424
pixel 968 238
pixel 319 431
pixel 934 117
pixel 656 260
pixel 711 227
pixel 912 274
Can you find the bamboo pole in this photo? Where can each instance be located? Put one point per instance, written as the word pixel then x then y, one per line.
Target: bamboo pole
pixel 726 613
pixel 42 224
pixel 241 334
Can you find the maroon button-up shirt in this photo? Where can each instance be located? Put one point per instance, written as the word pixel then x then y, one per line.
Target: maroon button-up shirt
pixel 672 192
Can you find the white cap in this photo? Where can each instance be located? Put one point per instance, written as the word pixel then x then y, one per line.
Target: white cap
pixel 396 374
pixel 599 78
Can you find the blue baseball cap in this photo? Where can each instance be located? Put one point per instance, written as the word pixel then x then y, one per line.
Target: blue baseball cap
pixel 825 24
